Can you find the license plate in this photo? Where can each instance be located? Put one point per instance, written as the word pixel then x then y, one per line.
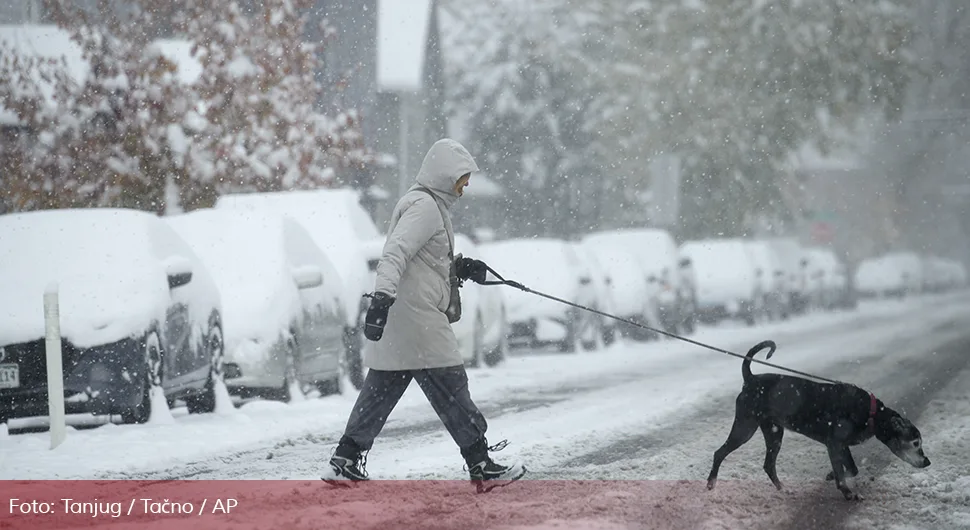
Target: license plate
pixel 9 376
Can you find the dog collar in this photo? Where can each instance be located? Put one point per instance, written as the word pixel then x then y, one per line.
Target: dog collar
pixel 872 412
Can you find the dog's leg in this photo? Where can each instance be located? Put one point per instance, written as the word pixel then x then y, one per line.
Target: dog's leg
pixel 837 456
pixel 773 438
pixel 851 470
pixel 742 431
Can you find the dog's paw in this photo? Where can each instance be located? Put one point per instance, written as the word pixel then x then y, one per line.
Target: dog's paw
pixel 711 483
pixel 830 477
pixel 852 496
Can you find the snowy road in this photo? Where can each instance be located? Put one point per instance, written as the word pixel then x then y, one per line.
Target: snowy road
pixel 634 414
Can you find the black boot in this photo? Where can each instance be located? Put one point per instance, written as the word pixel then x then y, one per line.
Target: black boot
pixel 485 473
pixel 348 463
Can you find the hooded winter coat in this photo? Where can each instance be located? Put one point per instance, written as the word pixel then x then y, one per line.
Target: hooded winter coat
pixel 415 267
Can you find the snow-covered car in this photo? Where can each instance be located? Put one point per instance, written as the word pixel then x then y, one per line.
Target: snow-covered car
pixel 482 329
pixel 282 319
pixel 603 282
pixel 630 292
pixel 138 311
pixel 724 274
pixel 892 275
pixel 664 269
pixel 942 274
pixel 770 272
pixel 794 262
pixel 338 225
pixel 552 267
pixel 828 282
pixel 877 278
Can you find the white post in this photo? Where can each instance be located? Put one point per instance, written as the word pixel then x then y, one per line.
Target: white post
pixel 55 369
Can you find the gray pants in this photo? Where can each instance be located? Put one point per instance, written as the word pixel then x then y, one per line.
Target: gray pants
pixel 446 390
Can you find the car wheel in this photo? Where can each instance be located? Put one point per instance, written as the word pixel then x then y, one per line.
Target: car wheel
pixel 205 402
pixel 152 378
pixel 335 385
pixel 573 330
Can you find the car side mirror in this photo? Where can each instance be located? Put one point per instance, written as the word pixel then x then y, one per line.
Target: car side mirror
pixel 652 279
pixel 585 280
pixel 684 262
pixel 178 270
pixel 307 277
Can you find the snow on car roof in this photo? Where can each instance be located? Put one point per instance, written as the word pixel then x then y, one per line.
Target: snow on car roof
pixel 102 261
pixel 245 252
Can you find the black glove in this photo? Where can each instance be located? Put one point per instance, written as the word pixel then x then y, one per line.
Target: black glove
pixel 376 317
pixel 470 269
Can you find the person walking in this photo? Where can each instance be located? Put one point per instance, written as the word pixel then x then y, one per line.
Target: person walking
pixel 415 301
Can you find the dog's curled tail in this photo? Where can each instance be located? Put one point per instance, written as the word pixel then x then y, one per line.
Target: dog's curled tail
pixel 746 365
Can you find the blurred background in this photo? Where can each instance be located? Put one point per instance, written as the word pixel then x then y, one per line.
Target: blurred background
pixel 842 124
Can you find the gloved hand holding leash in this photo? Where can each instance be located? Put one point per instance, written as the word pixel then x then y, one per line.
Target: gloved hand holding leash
pixel 465 268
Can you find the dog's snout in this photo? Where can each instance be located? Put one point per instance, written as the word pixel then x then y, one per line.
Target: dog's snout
pixel 926 462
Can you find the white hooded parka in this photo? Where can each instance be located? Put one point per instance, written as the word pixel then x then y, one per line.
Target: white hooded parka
pixel 414 268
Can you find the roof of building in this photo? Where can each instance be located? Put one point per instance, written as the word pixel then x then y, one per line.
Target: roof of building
pixel 402 37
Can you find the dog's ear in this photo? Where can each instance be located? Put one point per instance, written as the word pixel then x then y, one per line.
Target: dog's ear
pixel 899 424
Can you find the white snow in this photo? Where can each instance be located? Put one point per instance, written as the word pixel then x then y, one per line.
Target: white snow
pixel 670 377
pixel 336 222
pixel 724 272
pixel 43 42
pixel 245 253
pixel 527 261
pixel 110 285
pixel 402 36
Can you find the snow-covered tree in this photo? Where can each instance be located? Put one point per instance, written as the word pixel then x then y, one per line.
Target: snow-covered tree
pixel 259 125
pixel 732 87
pixel 744 84
pixel 97 141
pixel 519 85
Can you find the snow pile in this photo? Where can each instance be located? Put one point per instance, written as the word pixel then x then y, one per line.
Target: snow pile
pixel 161 414
pixel 224 404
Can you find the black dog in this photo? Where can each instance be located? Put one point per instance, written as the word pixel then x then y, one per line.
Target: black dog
pixel 837 415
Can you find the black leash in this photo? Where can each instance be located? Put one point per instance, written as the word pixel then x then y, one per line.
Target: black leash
pixel 519 286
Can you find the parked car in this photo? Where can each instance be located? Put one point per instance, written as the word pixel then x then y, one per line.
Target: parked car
pixel 892 275
pixel 550 266
pixel 338 225
pixel 664 270
pixel 138 311
pixel 770 272
pixel 632 298
pixel 283 320
pixel 603 283
pixel 878 278
pixel 483 326
pixel 828 279
pixel 727 286
pixel 792 256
